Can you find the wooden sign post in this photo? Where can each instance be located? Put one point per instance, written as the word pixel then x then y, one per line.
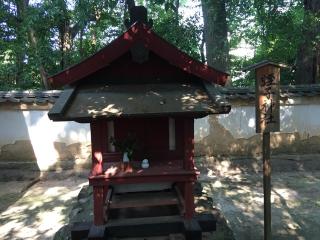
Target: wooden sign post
pixel 267 120
pixel 267 98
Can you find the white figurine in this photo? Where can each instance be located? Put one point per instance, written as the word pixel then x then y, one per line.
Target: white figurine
pixel 145 163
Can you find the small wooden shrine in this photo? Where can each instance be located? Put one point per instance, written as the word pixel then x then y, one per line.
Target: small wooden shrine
pixel 143 91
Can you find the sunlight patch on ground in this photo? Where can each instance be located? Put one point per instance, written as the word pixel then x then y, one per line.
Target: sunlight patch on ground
pixel 42 211
pixel 295 210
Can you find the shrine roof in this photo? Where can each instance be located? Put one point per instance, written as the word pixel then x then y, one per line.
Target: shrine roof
pixel 89 102
pixel 136 36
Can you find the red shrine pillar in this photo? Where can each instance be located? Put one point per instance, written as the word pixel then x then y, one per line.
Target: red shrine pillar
pixel 188 165
pixel 98 146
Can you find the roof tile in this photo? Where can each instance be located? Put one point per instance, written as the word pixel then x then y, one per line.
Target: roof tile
pixel 43 97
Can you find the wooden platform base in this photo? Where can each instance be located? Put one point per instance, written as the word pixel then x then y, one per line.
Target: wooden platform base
pixel 146 227
pixel 144 199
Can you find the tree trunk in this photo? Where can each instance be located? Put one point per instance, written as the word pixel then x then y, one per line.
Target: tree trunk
pixel 34 45
pixel 22 7
pixel 81 50
pixel 20 55
pixel 216 33
pixel 175 8
pixel 203 58
pixel 308 56
pixel 20 41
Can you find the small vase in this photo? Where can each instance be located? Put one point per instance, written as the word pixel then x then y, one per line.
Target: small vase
pixel 125 157
pixel 125 161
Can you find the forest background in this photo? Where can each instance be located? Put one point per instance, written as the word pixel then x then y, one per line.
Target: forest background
pixel 39 38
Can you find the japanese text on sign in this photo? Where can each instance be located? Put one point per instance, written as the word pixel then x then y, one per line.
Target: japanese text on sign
pixel 267 100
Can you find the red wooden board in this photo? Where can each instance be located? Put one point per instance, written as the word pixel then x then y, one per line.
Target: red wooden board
pixel 152 136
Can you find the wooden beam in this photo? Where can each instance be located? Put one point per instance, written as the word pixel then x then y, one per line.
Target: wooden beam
pixel 80 230
pixel 267 185
pixel 217 98
pixel 192 230
pixel 188 165
pixel 107 203
pixel 207 221
pixel 61 104
pixel 182 176
pixel 98 213
pixel 98 132
pixel 144 199
pixel 145 227
pixel 150 226
pixel 182 206
pixel 188 162
pixel 189 200
pixel 97 232
pixel 267 120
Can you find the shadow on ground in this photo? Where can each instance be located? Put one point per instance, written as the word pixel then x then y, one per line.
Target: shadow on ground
pixel 42 209
pixel 238 193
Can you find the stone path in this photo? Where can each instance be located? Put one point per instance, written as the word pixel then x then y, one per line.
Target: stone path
pixel 41 211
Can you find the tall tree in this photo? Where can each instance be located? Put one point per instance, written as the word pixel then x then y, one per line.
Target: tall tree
pixel 18 18
pixel 40 37
pixel 20 39
pixel 216 33
pixel 308 57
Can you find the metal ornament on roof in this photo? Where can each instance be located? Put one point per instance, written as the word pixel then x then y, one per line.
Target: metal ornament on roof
pixel 137 14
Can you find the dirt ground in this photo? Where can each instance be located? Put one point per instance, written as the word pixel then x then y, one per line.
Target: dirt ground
pixel 50 204
pixel 11 191
pixel 39 212
pixel 295 198
pixel 295 204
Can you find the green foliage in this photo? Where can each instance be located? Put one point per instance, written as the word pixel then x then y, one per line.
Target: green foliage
pixel 68 31
pixel 274 29
pixel 53 35
pixel 128 145
pixel 183 34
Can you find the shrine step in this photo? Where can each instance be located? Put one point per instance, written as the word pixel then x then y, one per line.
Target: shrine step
pixel 142 212
pixel 145 227
pixel 143 199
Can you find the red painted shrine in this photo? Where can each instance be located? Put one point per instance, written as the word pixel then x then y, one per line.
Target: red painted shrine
pixel 140 87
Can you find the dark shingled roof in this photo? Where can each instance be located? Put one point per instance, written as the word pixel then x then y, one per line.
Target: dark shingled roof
pixel 37 97
pixel 133 100
pixel 231 93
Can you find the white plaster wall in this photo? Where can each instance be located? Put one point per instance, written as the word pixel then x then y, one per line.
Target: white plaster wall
pixel 25 125
pixel 42 132
pixel 240 122
pixel 34 125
